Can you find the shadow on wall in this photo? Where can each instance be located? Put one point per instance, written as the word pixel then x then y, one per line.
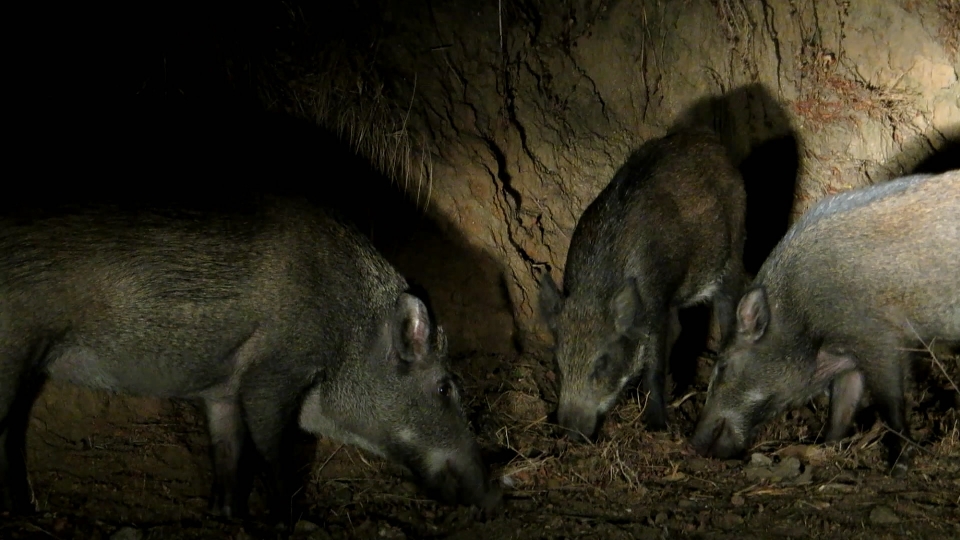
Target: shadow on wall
pixel 465 284
pixel 191 153
pixel 947 158
pixel 762 142
pixel 171 99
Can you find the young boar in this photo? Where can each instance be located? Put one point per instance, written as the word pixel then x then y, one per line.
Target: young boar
pixel 857 281
pixel 270 312
pixel 666 233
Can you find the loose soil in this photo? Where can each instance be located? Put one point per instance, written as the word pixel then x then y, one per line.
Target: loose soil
pixel 117 467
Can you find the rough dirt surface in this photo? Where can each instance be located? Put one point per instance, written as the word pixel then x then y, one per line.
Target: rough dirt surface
pixel 106 467
pixel 502 121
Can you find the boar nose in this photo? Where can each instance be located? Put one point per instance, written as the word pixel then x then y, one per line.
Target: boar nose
pixel 481 489
pixel 716 441
pixel 465 479
pixel 577 423
pixel 491 499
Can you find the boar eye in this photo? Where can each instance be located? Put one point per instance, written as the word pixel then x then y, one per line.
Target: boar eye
pixel 445 389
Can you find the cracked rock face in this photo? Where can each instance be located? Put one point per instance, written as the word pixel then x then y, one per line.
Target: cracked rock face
pixel 529 109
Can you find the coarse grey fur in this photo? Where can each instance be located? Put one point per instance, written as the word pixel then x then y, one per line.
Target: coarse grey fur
pixel 858 281
pixel 269 311
pixel 666 233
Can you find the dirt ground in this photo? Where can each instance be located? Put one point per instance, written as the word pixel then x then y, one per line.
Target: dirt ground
pixel 530 106
pixel 115 467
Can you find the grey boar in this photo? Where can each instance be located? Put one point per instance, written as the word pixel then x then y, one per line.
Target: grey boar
pixel 856 281
pixel 666 233
pixel 273 313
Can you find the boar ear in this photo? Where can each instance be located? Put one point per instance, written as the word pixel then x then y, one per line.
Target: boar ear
pixel 411 328
pixel 550 301
pixel 626 306
pixel 753 314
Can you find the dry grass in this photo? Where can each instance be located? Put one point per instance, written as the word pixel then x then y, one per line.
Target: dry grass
pixel 830 92
pixel 643 482
pixel 627 458
pixel 342 87
pixel 349 98
pixel 950 26
pixel 830 97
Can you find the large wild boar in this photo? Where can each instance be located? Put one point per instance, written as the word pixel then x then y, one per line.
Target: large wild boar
pixel 270 312
pixel 857 281
pixel 666 233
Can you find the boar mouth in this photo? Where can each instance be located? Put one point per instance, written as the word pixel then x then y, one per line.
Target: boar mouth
pixel 454 488
pixel 580 420
pixel 452 477
pixel 720 442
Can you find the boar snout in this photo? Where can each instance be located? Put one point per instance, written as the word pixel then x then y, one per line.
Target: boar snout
pixel 463 478
pixel 578 422
pixel 718 439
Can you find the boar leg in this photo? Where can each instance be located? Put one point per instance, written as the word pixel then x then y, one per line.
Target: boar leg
pixel 654 377
pixel 269 405
pixel 886 385
pixel 845 393
pixel 228 497
pixel 18 392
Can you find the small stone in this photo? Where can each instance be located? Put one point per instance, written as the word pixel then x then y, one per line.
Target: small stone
pixel 729 521
pixel 787 468
pixel 675 476
pixel 796 450
pixel 805 477
pixel 392 533
pixel 127 533
pixel 699 464
pixel 737 500
pixel 304 526
pixel 760 460
pixel 883 515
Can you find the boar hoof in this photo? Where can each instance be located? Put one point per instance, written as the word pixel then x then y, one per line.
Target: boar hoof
pixel 655 422
pixel 657 426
